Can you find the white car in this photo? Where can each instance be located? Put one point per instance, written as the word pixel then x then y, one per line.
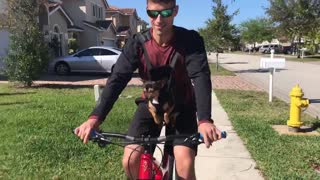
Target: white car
pixel 94 59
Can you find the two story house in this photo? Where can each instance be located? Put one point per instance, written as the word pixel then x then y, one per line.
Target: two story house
pixel 90 27
pixel 126 22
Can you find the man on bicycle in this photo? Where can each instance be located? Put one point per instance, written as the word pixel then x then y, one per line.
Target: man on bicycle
pixel 192 87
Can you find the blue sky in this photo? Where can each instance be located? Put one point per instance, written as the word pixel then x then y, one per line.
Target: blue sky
pixel 194 13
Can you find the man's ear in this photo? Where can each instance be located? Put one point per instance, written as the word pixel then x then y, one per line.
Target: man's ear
pixel 176 10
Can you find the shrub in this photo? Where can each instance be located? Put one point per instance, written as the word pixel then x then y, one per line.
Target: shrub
pixel 28 53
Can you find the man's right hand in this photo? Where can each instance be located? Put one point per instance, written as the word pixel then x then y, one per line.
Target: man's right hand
pixel 84 130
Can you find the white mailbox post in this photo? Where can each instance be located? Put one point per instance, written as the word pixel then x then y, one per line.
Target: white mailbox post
pixel 272 64
pixel 97 92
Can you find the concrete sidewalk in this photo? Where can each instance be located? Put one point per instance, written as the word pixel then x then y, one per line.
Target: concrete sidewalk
pixel 228 158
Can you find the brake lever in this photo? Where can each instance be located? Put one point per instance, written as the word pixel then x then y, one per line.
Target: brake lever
pixel 99 139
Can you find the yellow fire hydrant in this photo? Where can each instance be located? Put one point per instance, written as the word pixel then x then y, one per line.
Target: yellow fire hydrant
pixel 297 102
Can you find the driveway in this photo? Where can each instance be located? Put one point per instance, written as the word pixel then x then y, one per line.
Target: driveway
pixel 307 75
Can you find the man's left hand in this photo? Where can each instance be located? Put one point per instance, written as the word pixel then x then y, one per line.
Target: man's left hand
pixel 209 132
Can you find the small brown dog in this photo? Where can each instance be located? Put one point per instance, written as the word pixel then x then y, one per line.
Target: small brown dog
pixel 160 96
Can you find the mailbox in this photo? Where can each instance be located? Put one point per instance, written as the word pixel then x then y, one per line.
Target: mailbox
pixel 277 63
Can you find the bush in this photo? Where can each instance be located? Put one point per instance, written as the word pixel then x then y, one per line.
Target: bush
pixel 73 45
pixel 28 53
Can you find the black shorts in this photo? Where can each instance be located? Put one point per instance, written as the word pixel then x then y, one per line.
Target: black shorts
pixel 143 124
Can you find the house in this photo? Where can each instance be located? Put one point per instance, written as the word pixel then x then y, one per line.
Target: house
pixel 126 22
pixel 55 24
pixel 90 27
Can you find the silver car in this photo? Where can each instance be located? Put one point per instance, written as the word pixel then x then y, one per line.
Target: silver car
pixel 94 59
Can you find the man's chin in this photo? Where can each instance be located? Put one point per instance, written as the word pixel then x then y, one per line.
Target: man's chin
pixel 158 32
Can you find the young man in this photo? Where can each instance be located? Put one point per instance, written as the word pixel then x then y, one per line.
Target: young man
pixel 192 87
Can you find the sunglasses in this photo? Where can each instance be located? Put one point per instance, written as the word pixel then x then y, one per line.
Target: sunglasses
pixel 163 13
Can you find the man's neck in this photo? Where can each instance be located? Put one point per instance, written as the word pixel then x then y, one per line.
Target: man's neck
pixel 163 39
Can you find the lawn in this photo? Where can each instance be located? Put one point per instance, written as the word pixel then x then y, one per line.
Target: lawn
pixel 36 138
pixel 309 58
pixel 277 156
pixel 37 143
pixel 220 72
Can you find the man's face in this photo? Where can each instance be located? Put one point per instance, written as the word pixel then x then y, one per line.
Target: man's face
pixel 162 25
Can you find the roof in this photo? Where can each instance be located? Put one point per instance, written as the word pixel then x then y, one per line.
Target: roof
pixel 56 7
pixel 93 25
pixel 104 23
pixel 123 31
pixel 74 28
pixel 125 11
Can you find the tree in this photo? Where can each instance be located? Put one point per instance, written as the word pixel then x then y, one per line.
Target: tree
pixel 28 53
pixel 296 18
pixel 256 30
pixel 219 32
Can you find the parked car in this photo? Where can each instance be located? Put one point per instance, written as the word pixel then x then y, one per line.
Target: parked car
pixel 267 48
pixel 94 59
pixel 287 49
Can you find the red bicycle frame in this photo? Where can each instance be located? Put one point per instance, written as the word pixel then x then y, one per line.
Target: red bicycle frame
pixel 150 168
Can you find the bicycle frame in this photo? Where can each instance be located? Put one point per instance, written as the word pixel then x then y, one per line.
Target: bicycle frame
pixel 150 168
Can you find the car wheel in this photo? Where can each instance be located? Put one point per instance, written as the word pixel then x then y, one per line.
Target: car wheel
pixel 62 68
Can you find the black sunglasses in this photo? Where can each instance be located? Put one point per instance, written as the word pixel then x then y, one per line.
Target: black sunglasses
pixel 163 13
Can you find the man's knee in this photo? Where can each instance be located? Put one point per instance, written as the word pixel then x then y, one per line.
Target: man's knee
pixel 185 158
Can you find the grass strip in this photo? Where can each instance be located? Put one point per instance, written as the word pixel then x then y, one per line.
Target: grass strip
pixel 277 156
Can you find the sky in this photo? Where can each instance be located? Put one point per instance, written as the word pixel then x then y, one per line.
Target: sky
pixel 194 13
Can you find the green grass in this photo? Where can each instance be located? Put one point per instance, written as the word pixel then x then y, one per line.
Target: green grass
pixel 220 72
pixel 310 58
pixel 277 156
pixel 36 138
pixel 37 143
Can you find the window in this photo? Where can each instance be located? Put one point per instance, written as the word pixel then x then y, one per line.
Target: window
pixel 105 52
pixel 97 11
pixel 100 13
pixel 89 52
pixel 93 10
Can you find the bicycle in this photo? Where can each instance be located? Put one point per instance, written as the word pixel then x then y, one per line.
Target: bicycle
pixel 149 167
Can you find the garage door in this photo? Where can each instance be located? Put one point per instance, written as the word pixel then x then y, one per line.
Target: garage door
pixel 108 42
pixel 4 43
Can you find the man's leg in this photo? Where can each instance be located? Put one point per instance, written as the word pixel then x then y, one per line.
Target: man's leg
pixel 185 152
pixel 131 160
pixel 185 158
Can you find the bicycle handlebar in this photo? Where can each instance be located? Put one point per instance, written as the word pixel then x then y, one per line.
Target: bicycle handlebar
pixel 104 138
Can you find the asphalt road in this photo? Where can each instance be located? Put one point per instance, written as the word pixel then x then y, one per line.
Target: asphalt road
pixel 305 74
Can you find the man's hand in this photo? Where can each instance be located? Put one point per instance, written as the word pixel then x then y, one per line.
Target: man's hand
pixel 209 132
pixel 84 130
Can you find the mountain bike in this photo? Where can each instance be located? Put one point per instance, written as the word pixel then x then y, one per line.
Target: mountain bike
pixel 149 167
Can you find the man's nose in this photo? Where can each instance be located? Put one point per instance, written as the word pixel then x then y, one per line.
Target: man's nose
pixel 159 17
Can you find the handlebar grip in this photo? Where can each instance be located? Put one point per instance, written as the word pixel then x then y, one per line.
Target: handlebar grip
pixel 223 135
pixel 92 134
